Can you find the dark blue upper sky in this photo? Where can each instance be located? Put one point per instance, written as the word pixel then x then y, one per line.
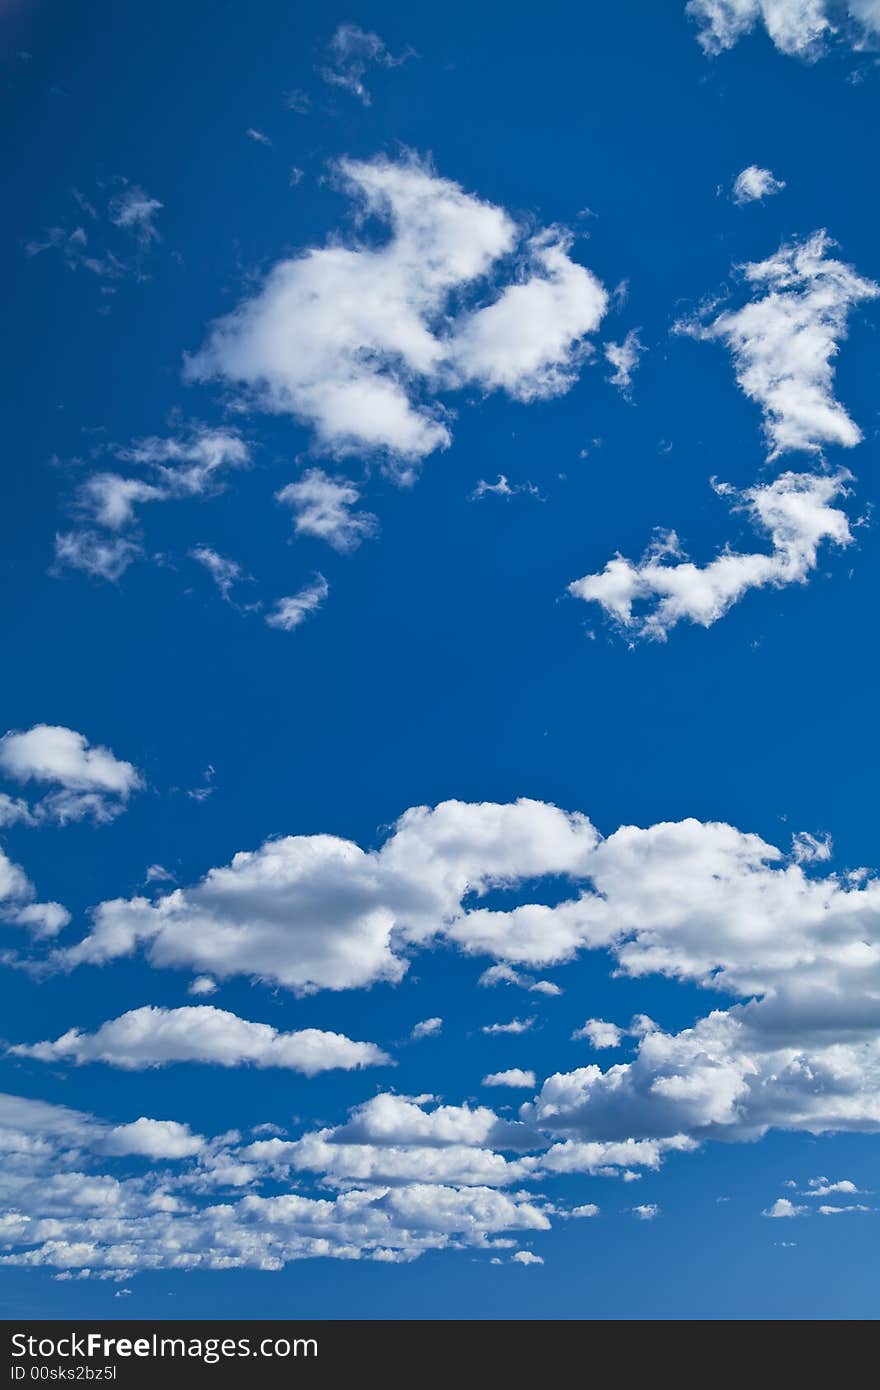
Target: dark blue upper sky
pixel 448 659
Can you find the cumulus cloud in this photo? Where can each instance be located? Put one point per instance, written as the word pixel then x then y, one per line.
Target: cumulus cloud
pixel 17 905
pixel 503 974
pixel 428 1028
pixel 783 1208
pixel 753 184
pixel 514 1077
pixel 650 596
pixel 316 911
pixel 91 781
pixel 785 339
pixel 156 1037
pixel 322 507
pixel 352 51
pixel 357 340
pixel 799 28
pixel 526 1257
pixel 599 1034
pixel 292 611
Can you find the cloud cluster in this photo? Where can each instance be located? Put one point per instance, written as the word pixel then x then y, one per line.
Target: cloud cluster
pixel 190 464
pixel 650 596
pixel 358 338
pixel 89 781
pixel 800 28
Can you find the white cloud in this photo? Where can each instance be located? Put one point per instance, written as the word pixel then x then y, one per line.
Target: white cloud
pixel 525 1257
pixel 17 904
pixel 811 849
pixel 785 339
pixel 322 507
pixel 589 1209
pixel 291 612
pixel 223 571
pixel 92 781
pixel 821 1187
pixel 14 811
pixel 102 557
pixel 800 28
pixel 515 1077
pixel 783 1208
pixel 503 488
pixel 202 984
pixel 111 498
pixel 795 511
pixel 516 1025
pixel 136 211
pixel 843 1211
pixel 504 974
pixel 153 1139
pixel 156 1037
pixel 753 184
pixel 599 1033
pixel 428 1028
pixel 356 340
pixel 624 358
pixel 258 137
pixel 352 51
pixel 648 1212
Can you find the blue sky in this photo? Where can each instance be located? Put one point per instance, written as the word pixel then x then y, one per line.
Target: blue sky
pixel 386 264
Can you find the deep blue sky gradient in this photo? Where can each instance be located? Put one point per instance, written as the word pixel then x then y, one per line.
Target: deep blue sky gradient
pixel 447 661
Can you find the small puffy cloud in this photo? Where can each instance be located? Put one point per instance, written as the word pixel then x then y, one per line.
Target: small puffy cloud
pixel 624 358
pixel 525 1257
pixel 753 184
pixel 843 1211
pixel 156 1037
pixel 514 1078
pixel 428 1028
pixel 92 782
pixel 648 1212
pixel 201 985
pixel 784 342
pixel 291 612
pixel 322 507
pixel 358 340
pixel 783 1208
pixel 599 1034
pixel 111 498
pixel 650 596
pixel 587 1210
pixel 352 51
pixel 516 1025
pixel 153 1139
